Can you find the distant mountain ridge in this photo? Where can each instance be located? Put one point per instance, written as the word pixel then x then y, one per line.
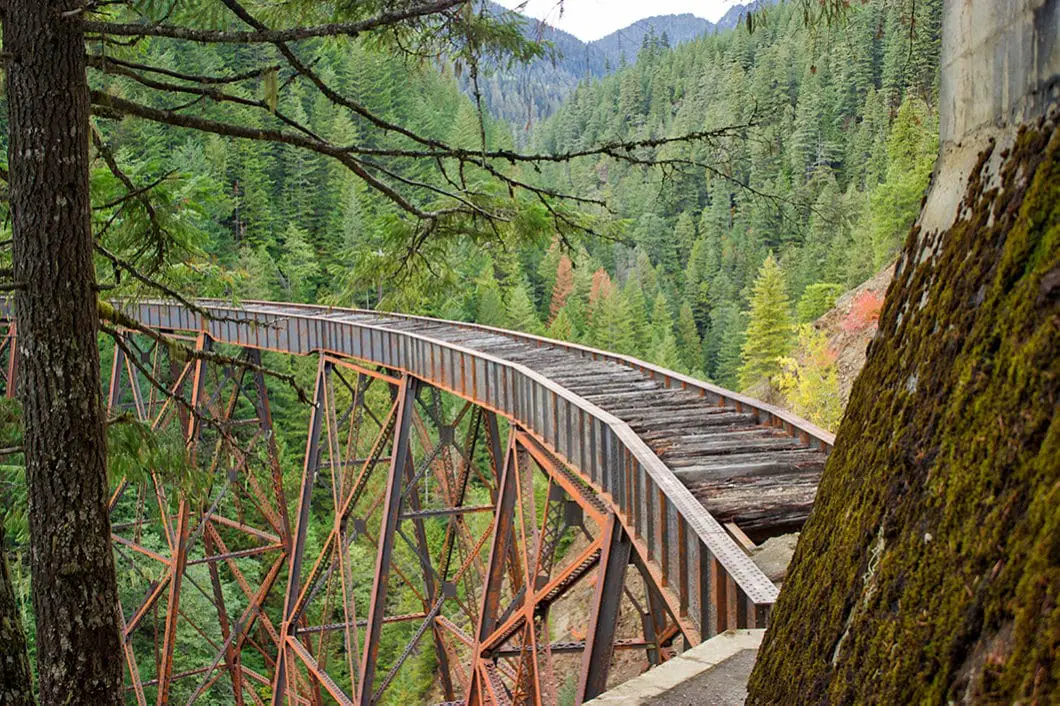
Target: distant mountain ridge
pixel 524 95
pixel 627 42
pixel 731 19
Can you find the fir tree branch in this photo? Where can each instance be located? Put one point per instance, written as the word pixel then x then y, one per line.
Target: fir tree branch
pixel 107 63
pixel 265 36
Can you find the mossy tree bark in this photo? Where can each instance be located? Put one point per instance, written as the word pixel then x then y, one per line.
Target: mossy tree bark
pixel 929 570
pixel 74 591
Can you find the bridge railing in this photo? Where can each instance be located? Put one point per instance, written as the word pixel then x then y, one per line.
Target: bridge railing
pixel 709 582
pixel 714 585
pixel 810 434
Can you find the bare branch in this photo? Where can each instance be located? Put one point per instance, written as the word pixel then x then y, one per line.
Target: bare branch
pixel 110 313
pixel 294 34
pixel 115 106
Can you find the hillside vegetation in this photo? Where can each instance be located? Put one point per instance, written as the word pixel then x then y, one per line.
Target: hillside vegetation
pixel 835 145
pixel 711 265
pixel 833 142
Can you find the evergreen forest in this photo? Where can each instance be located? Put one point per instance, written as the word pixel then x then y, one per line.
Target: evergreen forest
pixel 712 258
pixel 832 142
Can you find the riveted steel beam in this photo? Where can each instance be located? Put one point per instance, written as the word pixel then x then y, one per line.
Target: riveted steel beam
pixel 603 619
pixel 391 510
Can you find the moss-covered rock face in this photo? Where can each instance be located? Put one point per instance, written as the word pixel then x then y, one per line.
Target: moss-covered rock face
pixel 929 570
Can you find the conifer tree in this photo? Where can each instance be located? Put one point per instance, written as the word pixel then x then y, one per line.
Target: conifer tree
pixel 562 328
pixel 489 309
pixel 701 267
pixel 657 240
pixel 521 314
pixel 691 347
pixel 609 318
pixel 725 343
pixel 895 52
pixel 769 328
pixel 617 323
pixel 640 329
pixel 645 273
pixel 895 203
pixel 667 354
pixel 662 322
pixel 601 285
pixel 684 235
pixel 824 253
pixel 298 265
pixel 578 302
pixel 546 275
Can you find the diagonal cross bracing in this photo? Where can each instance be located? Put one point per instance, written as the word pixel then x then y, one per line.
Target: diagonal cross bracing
pixel 491 587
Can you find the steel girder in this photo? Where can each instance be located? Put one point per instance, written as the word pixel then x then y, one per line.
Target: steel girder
pixel 231 588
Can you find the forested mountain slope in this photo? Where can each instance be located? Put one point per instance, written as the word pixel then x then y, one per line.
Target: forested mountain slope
pixel 526 94
pixel 834 144
pixel 833 141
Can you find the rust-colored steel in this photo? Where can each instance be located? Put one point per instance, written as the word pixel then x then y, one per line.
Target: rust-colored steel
pixel 409 436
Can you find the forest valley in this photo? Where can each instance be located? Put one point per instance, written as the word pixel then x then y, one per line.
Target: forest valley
pixel 712 257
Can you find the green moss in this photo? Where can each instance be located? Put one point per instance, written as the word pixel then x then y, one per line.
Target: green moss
pixel 948 459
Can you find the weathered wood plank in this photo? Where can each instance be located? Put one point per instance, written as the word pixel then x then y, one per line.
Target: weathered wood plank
pixel 747 466
pixel 676 452
pixel 760 505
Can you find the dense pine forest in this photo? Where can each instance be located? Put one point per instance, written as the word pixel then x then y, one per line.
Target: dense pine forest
pixel 812 197
pixel 714 264
pixel 810 193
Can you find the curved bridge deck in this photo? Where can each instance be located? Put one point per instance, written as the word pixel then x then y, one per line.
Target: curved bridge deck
pixel 668 471
pixel 730 451
pixel 658 445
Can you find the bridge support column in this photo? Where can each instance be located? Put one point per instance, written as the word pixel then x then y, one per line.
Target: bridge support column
pixel 480 682
pixel 399 459
pixel 654 617
pixel 282 682
pixel 610 581
pixel 178 563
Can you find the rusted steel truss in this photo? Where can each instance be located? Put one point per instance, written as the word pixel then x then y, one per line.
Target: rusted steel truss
pixel 422 529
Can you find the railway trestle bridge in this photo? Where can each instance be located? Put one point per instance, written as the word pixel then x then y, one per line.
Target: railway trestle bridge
pixel 479 477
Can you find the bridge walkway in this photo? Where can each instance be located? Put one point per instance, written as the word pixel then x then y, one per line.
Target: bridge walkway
pixel 744 469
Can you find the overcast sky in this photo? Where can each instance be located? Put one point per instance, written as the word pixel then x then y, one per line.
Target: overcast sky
pixel 592 19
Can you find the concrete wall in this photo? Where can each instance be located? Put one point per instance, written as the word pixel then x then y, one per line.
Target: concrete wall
pixel 1000 63
pixel 1000 68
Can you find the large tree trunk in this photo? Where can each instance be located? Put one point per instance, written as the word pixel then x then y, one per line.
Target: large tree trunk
pixel 74 589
